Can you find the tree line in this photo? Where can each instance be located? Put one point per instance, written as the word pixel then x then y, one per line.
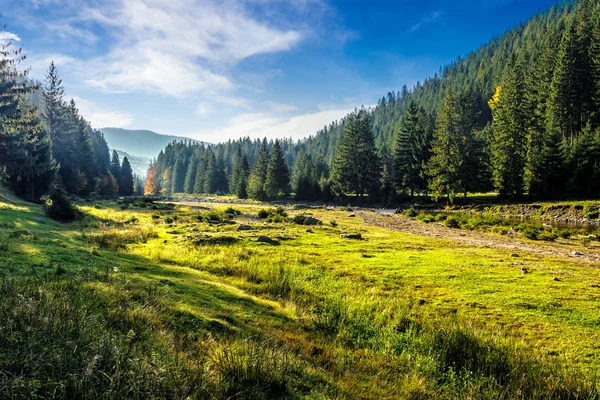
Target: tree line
pixel 47 147
pixel 519 116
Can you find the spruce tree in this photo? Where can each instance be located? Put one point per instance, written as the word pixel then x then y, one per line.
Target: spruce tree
pixel 115 167
pixel 585 163
pixel 126 187
pixel 278 176
pixel 410 138
pixel 256 182
pixel 190 175
pixel 356 167
pixel 30 167
pixel 594 54
pixel 242 187
pixel 444 167
pixel 178 176
pixel 509 134
pixel 201 174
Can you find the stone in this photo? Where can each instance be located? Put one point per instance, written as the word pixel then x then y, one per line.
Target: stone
pixel 351 215
pixel 310 221
pixel 514 255
pixel 355 236
pixel 555 279
pixel 576 253
pixel 244 228
pixel 265 239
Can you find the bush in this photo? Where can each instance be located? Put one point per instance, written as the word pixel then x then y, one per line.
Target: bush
pixel 4 244
pixel 452 222
pixel 262 214
pixel 299 219
pixel 232 211
pixel 277 218
pixel 426 218
pixel 168 220
pixel 155 216
pixel 411 212
pixel 59 206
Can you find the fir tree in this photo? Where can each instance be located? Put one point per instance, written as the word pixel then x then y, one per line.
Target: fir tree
pixel 201 175
pixel 585 163
pixel 278 176
pixel 126 187
pixel 190 176
pixel 115 167
pixel 445 165
pixel 256 182
pixel 509 130
pixel 356 168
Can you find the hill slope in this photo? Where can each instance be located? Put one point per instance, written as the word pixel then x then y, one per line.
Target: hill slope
pixel 144 143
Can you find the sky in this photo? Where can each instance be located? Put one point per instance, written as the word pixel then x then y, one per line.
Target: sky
pixel 215 70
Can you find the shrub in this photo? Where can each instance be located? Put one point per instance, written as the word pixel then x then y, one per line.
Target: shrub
pixel 155 216
pixel 411 212
pixel 299 219
pixel 426 218
pixel 334 224
pixel 117 239
pixel 441 217
pixel 531 233
pixel 277 218
pixel 232 211
pixel 263 214
pixel 168 220
pixel 59 207
pixel 452 222
pixel 132 220
pixel 591 212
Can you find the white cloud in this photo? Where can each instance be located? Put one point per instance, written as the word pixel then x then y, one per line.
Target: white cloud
pixel 205 108
pixel 280 107
pixel 259 125
pixel 101 117
pixel 8 36
pixel 178 48
pixel 432 18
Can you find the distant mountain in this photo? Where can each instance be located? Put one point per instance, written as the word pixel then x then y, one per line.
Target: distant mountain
pixel 139 165
pixel 141 143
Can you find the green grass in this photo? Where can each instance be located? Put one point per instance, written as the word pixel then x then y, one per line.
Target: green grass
pixel 194 308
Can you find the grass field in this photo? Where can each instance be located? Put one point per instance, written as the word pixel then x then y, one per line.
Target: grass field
pixel 144 300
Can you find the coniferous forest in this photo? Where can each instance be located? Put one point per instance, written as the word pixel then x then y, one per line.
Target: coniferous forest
pixel 519 116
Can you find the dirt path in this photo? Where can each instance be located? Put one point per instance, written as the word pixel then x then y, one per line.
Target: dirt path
pixel 478 238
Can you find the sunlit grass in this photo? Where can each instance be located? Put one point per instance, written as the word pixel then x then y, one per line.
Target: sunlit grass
pixel 394 315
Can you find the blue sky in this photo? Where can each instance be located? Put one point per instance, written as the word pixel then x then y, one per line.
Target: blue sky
pixel 217 70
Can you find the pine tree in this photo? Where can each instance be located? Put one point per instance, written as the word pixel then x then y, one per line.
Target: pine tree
pixel 201 175
pixel 115 167
pixel 585 160
pixel 444 167
pixel 30 167
pixel 594 54
pixel 278 175
pixel 356 167
pixel 238 184
pixel 190 176
pixel 411 149
pixel 178 176
pixel 256 182
pixel 509 131
pixel 126 173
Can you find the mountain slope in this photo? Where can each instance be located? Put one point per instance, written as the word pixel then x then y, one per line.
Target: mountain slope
pixel 143 143
pixel 139 165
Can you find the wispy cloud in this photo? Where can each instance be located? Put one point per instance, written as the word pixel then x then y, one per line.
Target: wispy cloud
pixel 101 117
pixel 280 107
pixel 170 48
pixel 8 36
pixel 436 16
pixel 271 125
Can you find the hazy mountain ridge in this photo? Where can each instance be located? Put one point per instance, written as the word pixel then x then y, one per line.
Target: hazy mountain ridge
pixel 140 143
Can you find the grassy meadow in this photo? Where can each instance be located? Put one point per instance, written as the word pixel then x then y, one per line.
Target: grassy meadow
pixel 155 300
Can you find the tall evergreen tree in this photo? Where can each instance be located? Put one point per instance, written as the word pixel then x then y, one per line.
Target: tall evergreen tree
pixel 278 175
pixel 190 175
pixel 447 157
pixel 201 174
pixel 412 149
pixel 585 163
pixel 258 177
pixel 126 187
pixel 238 184
pixel 115 167
pixel 509 133
pixel 356 167
pixel 178 176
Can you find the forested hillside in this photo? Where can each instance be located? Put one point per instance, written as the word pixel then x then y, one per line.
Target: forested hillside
pixel 46 146
pixel 520 115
